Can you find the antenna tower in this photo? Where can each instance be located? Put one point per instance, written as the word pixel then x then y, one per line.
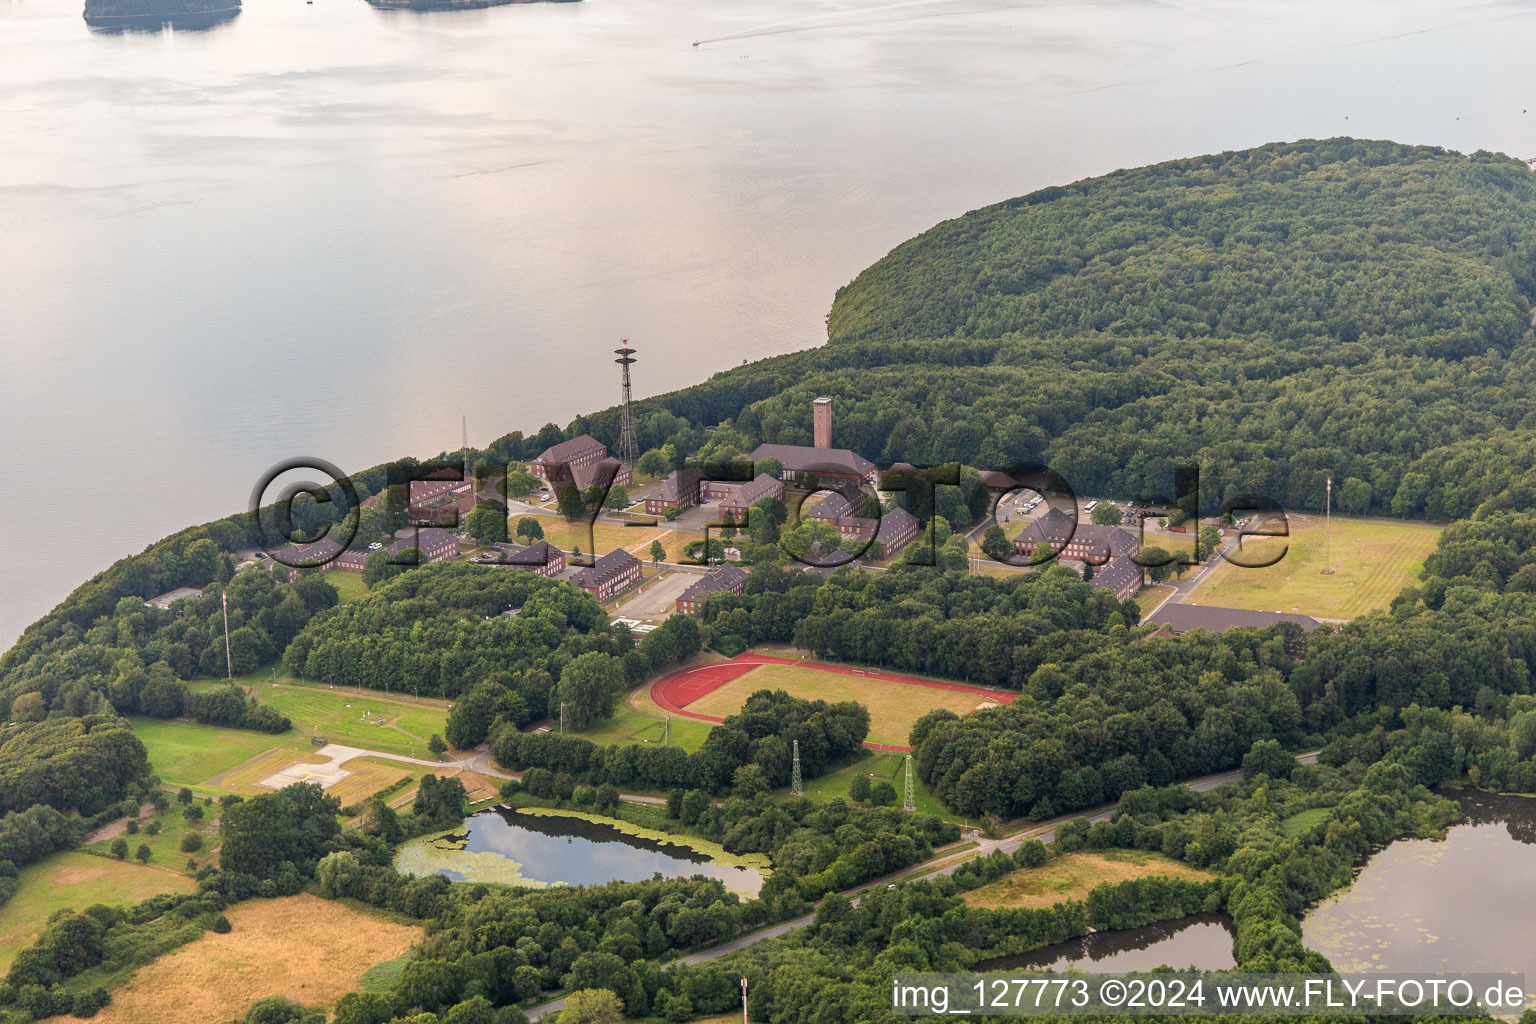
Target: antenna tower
pixel 910 804
pixel 794 779
pixel 629 444
pixel 1328 528
pixel 229 668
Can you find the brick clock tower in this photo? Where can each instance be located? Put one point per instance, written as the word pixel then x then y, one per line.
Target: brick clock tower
pixel 821 422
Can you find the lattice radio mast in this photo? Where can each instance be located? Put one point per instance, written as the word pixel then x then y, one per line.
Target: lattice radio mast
pixel 794 779
pixel 911 803
pixel 629 444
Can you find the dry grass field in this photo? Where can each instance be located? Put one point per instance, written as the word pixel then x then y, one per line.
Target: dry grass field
pixel 893 707
pixel 245 777
pixel 308 949
pixel 77 880
pixel 1072 877
pixel 1373 561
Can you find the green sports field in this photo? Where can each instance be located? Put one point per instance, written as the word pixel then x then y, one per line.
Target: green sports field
pixel 639 720
pixel 348 716
pixel 893 706
pixel 1372 561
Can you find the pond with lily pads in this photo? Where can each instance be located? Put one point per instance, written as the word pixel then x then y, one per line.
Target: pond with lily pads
pixel 539 846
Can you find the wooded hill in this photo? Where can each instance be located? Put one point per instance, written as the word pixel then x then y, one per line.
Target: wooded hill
pixel 1280 314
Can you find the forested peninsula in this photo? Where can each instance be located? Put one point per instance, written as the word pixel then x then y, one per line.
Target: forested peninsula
pixel 1345 308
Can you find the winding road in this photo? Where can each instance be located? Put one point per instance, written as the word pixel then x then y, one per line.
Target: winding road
pixel 946 861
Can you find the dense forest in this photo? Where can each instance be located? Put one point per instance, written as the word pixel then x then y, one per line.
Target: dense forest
pixel 1276 316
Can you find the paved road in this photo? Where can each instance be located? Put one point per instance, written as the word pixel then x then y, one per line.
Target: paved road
pixel 948 861
pixel 480 763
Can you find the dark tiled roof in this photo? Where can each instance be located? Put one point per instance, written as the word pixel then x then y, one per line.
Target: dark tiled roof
pixel 1117 573
pixel 894 522
pixel 320 552
pixel 605 470
pixel 535 555
pixel 1055 529
pixel 565 451
pixel 429 539
pixel 353 556
pixel 605 568
pixel 1181 618
pixel 745 495
pixel 726 578
pixel 682 485
pixel 799 459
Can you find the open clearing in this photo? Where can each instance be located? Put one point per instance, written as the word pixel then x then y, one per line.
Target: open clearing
pixel 308 949
pixel 1373 561
pixel 165 848
pixel 1072 877
pixel 894 702
pixel 639 719
pixel 881 767
pixel 77 880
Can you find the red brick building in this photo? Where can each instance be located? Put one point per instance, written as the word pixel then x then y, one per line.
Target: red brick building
pixel 616 571
pixel 1109 548
pixel 435 545
pixel 680 490
pixel 1085 542
pixel 828 464
pixel 726 579
pixel 542 558
pixel 557 462
pixel 736 498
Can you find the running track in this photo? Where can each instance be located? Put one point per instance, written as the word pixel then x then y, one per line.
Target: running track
pixel 675 692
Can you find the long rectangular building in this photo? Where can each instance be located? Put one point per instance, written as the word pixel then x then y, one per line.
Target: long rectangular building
pixel 826 464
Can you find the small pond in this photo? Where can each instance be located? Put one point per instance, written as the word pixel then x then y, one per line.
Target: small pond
pixel 514 847
pixel 1202 941
pixel 1462 905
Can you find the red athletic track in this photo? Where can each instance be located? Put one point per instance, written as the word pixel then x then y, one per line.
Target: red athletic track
pixel 675 692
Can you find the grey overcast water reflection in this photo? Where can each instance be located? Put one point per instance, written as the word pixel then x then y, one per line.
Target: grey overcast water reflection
pixel 1202 941
pixel 326 229
pixel 553 850
pixel 1461 905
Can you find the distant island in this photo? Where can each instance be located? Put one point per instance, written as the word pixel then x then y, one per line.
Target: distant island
pixel 451 5
pixel 187 13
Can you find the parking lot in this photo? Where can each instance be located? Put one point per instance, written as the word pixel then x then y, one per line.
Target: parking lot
pixel 657 598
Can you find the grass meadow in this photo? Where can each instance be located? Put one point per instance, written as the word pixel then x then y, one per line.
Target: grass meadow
pixel 1072 877
pixel 1372 560
pixel 893 707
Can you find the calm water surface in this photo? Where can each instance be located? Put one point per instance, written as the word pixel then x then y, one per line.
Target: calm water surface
pixel 1202 941
pixel 1462 905
pixel 325 229
pixel 555 849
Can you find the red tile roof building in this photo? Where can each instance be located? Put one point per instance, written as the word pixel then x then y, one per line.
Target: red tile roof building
pixel 829 464
pixel 616 571
pixel 726 579
pixel 680 490
pixel 557 462
pixel 736 498
pixel 542 558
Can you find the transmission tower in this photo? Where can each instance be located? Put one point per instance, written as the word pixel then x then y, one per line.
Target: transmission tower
pixel 629 444
pixel 910 804
pixel 794 779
